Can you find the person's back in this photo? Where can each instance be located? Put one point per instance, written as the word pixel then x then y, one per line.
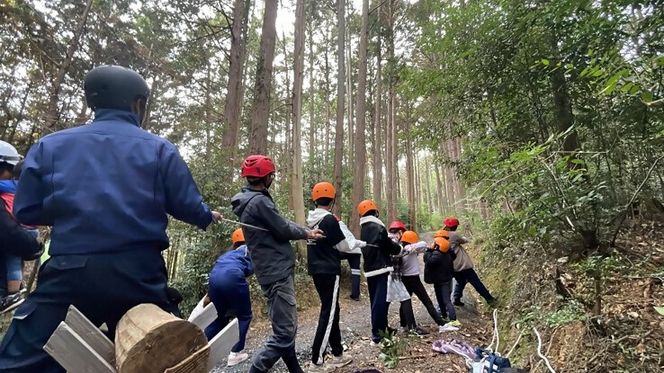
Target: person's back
pixel 462 260
pixel 108 187
pixel 323 256
pixel 234 262
pixel 379 247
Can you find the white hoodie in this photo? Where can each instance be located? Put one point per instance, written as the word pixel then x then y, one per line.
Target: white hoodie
pixel 350 245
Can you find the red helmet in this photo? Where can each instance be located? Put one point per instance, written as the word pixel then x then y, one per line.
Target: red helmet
pixel 451 221
pixel 257 166
pixel 397 224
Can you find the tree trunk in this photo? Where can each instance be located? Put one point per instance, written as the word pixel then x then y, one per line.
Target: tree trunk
pixel 312 123
pixel 263 86
pixel 439 189
pixel 377 147
pixel 341 79
pixel 349 98
pixel 393 182
pixel 410 172
pixel 52 114
pixel 360 116
pixel 296 171
pixel 328 109
pixel 233 104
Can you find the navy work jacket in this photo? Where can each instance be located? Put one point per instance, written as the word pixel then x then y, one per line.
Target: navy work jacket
pixel 107 186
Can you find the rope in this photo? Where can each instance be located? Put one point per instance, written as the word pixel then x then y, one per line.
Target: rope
pixel 496 336
pixel 539 352
pixel 514 345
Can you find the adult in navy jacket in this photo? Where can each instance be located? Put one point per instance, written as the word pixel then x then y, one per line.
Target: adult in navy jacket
pixel 106 189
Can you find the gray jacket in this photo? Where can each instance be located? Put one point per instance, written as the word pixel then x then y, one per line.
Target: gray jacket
pixel 462 260
pixel 271 251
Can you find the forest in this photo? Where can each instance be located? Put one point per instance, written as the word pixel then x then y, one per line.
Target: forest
pixel 539 123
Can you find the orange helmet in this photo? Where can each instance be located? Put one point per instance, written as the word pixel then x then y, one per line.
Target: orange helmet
pixel 323 190
pixel 237 236
pixel 442 244
pixel 366 206
pixel 409 237
pixel 441 233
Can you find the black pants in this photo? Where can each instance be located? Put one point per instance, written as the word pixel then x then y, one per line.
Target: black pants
pixel 470 276
pixel 406 315
pixel 327 331
pixel 379 305
pixel 415 286
pixel 102 286
pixel 354 263
pixel 443 291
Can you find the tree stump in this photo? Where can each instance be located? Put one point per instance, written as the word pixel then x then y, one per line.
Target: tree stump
pixel 149 340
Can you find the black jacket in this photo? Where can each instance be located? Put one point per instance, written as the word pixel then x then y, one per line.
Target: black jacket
pixel 438 266
pixel 323 255
pixel 271 251
pixel 15 240
pixel 379 247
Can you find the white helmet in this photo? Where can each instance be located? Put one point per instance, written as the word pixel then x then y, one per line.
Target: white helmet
pixel 8 153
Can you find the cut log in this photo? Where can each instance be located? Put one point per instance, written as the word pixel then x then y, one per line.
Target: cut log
pixel 150 340
pixel 196 363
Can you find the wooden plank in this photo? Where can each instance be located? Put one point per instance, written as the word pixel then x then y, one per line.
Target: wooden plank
pixel 91 335
pixel 73 354
pixel 222 343
pixel 196 363
pixel 205 318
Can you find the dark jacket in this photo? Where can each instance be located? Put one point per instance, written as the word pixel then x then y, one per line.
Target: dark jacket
pixel 438 266
pixel 15 240
pixel 379 247
pixel 323 255
pixel 271 251
pixel 107 186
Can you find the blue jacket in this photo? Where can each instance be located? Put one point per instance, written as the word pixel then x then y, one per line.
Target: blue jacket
pixel 8 186
pixel 234 262
pixel 107 186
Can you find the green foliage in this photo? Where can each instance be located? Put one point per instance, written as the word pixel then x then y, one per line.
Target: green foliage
pixel 659 310
pixel 391 348
pixel 602 265
pixel 567 312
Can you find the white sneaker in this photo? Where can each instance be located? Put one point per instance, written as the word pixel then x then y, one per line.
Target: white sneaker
pixel 339 361
pixel 447 328
pixel 235 358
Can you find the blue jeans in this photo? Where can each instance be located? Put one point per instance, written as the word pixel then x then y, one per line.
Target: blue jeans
pixel 443 295
pixel 230 295
pixel 470 276
pixel 14 266
pixel 379 305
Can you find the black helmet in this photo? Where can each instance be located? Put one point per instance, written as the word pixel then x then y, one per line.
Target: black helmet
pixel 114 87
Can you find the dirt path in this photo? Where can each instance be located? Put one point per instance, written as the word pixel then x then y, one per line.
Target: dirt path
pixel 355 330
